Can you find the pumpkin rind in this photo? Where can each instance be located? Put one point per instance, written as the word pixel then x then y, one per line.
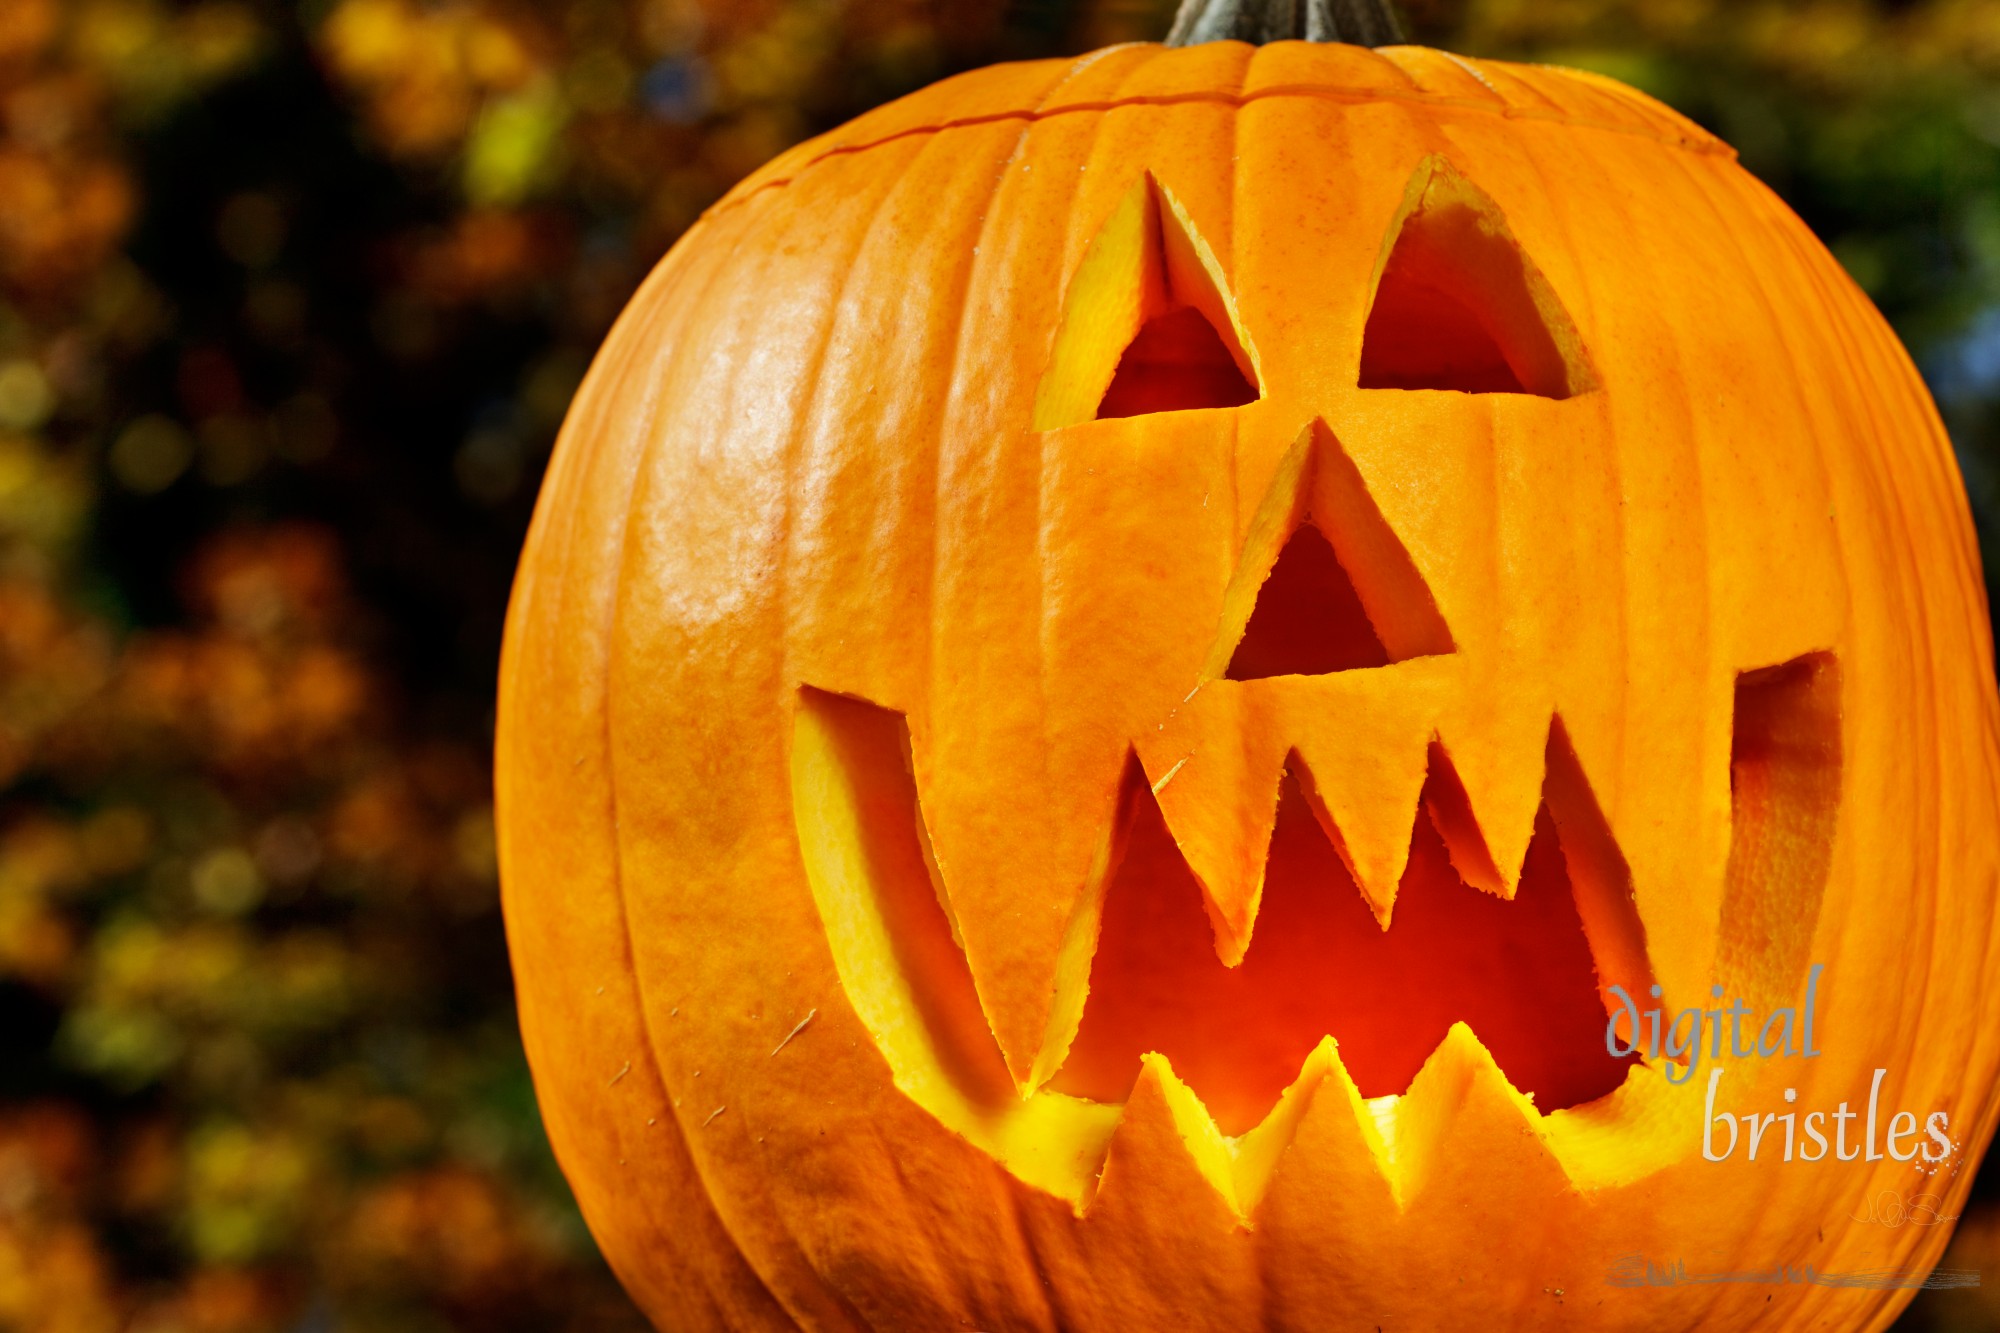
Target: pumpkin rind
pixel 805 458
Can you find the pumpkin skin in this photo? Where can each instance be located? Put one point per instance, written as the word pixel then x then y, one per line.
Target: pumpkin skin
pixel 807 473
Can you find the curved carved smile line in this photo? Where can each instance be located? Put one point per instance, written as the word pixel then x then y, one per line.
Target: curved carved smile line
pixel 1464 1004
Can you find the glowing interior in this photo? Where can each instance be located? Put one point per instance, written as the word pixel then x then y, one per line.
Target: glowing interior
pixel 1518 973
pixel 1308 619
pixel 1148 323
pixel 1176 363
pixel 1459 305
pixel 1462 1003
pixel 886 914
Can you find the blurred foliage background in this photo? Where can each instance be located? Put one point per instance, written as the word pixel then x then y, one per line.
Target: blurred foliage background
pixel 292 299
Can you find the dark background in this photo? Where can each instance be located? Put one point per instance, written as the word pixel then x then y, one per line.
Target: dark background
pixel 292 299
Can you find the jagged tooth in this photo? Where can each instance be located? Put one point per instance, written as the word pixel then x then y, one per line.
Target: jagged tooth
pixel 1450 814
pixel 1166 1160
pixel 1160 1209
pixel 1238 1171
pixel 1462 1138
pixel 1657 792
pixel 1498 756
pixel 1024 885
pixel 1363 758
pixel 1165 1119
pixel 1318 1153
pixel 1328 1209
pixel 1599 875
pixel 1214 770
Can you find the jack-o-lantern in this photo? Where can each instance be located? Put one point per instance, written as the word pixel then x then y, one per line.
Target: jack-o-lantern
pixel 1118 656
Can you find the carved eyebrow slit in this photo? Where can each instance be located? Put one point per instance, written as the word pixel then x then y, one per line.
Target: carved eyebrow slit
pixel 1148 322
pixel 1784 786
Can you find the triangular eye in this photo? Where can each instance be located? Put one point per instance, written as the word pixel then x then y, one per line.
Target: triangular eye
pixel 1148 324
pixel 1459 305
pixel 1177 362
pixel 1323 584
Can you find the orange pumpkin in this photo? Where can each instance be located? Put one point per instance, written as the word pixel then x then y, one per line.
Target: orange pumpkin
pixel 1116 656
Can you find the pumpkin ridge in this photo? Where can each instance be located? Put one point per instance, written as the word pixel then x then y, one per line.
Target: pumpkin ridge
pixel 1760 477
pixel 1350 96
pixel 788 1295
pixel 627 344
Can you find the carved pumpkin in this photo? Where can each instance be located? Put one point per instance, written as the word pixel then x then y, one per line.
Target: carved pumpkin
pixel 1115 654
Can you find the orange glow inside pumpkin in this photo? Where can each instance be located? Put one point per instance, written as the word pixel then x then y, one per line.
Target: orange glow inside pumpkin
pixel 1177 363
pixel 1309 618
pixel 1456 975
pixel 1518 973
pixel 1459 305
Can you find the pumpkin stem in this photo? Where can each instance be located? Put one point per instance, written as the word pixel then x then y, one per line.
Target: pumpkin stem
pixel 1361 22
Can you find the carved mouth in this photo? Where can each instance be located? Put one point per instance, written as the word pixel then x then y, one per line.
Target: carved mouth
pixel 1520 974
pixel 1455 981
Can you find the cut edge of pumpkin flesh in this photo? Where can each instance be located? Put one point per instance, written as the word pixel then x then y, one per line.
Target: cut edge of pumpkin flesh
pixel 888 925
pixel 1398 1142
pixel 1147 262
